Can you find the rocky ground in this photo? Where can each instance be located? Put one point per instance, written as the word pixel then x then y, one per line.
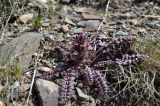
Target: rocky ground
pixel 29 30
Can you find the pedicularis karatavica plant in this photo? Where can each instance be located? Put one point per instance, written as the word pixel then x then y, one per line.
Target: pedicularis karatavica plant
pixel 84 57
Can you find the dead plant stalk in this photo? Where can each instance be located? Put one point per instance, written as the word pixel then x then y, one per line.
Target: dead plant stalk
pixel 106 13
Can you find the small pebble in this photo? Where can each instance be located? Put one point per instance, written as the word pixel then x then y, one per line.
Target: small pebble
pixel 45 24
pixel 65 28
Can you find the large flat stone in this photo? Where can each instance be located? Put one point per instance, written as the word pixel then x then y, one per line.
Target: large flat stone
pixel 22 48
pixel 89 24
pixel 26 17
pixel 48 92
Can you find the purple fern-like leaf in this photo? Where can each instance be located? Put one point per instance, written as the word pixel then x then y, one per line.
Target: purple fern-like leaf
pixel 115 49
pixel 104 64
pixel 100 83
pixel 81 40
pixel 130 59
pixel 67 86
pixel 88 75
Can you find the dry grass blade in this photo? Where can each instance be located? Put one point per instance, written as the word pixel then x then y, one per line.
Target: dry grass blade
pixel 106 13
pixel 34 74
pixel 151 16
pixel 2 34
pixel 33 78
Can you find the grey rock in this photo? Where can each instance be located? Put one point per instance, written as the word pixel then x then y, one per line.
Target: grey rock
pixel 84 96
pixel 121 33
pixel 65 28
pixel 81 23
pixel 50 37
pixel 78 30
pixel 90 23
pixel 68 20
pixel 45 69
pixel 45 61
pixel 154 24
pixel 15 24
pixel 48 92
pixel 60 38
pixel 66 1
pixel 22 48
pixel 26 17
pixel 41 3
pixel 76 16
pixel 14 90
pixel 46 32
pixel 45 24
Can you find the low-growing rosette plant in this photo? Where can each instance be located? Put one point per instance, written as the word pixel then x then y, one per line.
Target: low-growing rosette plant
pixel 84 58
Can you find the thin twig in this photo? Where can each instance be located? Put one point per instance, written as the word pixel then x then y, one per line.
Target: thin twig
pixel 106 13
pixel 2 34
pixel 151 16
pixel 35 71
pixel 34 74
